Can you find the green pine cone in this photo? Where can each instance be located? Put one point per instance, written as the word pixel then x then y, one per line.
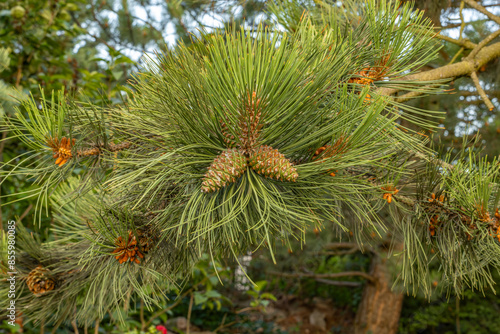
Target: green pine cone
pixel 271 163
pixel 226 168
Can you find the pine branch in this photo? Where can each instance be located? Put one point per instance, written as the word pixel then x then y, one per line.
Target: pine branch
pixel 483 43
pixel 463 68
pixel 481 92
pixel 460 42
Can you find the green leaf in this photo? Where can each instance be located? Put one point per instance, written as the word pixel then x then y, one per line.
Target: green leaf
pixel 117 74
pixel 260 285
pixel 200 298
pixel 124 59
pixel 267 295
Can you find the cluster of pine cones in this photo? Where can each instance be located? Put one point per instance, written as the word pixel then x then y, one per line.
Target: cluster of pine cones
pixel 245 149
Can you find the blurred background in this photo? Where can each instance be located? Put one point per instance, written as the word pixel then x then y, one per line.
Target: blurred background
pixel 92 48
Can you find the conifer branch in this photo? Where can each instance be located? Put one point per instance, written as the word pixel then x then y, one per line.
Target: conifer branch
pixel 465 43
pixel 482 44
pixel 481 92
pixel 463 68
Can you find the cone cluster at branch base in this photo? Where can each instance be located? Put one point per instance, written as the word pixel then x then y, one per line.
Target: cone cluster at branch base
pixel 245 150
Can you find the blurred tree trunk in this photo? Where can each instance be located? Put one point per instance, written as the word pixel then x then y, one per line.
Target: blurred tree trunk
pixel 380 308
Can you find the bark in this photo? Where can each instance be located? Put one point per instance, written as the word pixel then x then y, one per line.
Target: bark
pixel 380 308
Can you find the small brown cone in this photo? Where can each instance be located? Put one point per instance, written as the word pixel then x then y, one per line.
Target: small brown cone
pixel 226 168
pixel 39 282
pixel 271 163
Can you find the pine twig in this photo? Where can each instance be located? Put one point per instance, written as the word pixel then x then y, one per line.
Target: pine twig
pixel 465 43
pixel 410 95
pixel 73 323
pixel 405 200
pixel 481 92
pixel 75 327
pixel 459 52
pixel 96 330
pixel 462 21
pixel 54 330
pixel 25 213
pixel 483 43
pixel 451 71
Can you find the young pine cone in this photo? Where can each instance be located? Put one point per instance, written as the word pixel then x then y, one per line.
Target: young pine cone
pixel 271 163
pixel 225 169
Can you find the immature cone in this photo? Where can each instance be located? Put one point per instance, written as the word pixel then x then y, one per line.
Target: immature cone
pixel 38 281
pixel 61 149
pixel 248 127
pixel 371 74
pixel 127 250
pixel 225 169
pixel 271 163
pixel 250 124
pixel 390 192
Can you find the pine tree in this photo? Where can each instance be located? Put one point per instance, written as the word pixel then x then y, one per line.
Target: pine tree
pixel 242 140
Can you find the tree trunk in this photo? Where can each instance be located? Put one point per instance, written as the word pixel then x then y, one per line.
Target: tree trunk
pixel 380 308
